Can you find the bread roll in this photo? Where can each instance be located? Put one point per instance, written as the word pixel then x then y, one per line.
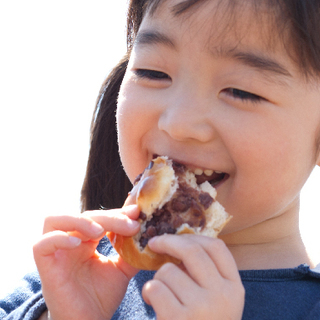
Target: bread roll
pixel 170 201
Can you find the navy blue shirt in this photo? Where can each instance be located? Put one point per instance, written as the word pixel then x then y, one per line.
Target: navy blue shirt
pixel 279 294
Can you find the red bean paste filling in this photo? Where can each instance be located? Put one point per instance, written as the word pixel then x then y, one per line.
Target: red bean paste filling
pixel 187 206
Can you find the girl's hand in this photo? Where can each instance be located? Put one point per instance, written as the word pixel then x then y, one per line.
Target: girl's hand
pixel 78 282
pixel 206 286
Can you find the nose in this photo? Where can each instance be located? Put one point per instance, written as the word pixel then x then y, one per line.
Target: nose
pixel 186 119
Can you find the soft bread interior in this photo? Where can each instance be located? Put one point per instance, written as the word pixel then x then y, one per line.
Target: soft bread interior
pixel 157 186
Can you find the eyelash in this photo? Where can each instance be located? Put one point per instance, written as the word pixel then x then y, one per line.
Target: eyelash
pixel 243 95
pixel 235 93
pixel 151 74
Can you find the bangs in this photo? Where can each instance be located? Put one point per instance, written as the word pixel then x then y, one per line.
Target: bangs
pixel 138 9
pixel 296 23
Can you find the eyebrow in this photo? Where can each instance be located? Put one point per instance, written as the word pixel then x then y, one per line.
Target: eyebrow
pixel 153 38
pixel 259 62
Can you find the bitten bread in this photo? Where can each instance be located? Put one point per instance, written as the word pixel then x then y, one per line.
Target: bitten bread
pixel 170 201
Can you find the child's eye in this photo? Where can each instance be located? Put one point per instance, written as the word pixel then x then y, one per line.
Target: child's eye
pixel 151 74
pixel 243 95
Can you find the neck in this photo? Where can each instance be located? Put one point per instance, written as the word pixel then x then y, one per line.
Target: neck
pixel 273 244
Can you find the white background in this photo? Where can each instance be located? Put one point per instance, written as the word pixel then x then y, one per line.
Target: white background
pixel 53 58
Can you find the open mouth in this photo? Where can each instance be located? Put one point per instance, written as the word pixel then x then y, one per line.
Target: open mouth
pixel 214 177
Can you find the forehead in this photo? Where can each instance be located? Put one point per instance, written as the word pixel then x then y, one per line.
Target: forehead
pixel 219 26
pixel 185 7
pixel 221 19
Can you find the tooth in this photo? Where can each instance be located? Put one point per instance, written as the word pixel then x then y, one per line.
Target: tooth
pixel 198 172
pixel 208 172
pixel 218 172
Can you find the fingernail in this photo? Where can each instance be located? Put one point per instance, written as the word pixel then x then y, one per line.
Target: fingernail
pixel 96 228
pixel 152 240
pixel 133 224
pixel 130 208
pixel 74 241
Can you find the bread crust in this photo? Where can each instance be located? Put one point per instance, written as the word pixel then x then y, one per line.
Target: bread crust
pixel 128 250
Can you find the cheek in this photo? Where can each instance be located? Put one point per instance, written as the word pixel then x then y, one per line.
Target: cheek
pixel 268 162
pixel 135 121
pixel 271 162
pixel 127 131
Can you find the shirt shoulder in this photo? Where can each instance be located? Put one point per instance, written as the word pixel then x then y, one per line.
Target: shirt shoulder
pixel 26 301
pixel 282 293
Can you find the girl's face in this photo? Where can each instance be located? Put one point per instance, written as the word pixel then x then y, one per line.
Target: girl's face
pixel 223 95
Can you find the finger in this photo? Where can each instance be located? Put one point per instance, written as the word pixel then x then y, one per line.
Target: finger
pixel 126 269
pixel 195 259
pixel 121 221
pixel 161 298
pixel 93 224
pixel 131 211
pixel 53 241
pixel 198 254
pixel 79 226
pixel 220 255
pixel 179 283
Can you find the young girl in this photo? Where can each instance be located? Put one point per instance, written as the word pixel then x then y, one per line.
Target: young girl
pixel 230 86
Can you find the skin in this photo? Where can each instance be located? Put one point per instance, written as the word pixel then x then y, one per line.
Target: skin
pixel 263 135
